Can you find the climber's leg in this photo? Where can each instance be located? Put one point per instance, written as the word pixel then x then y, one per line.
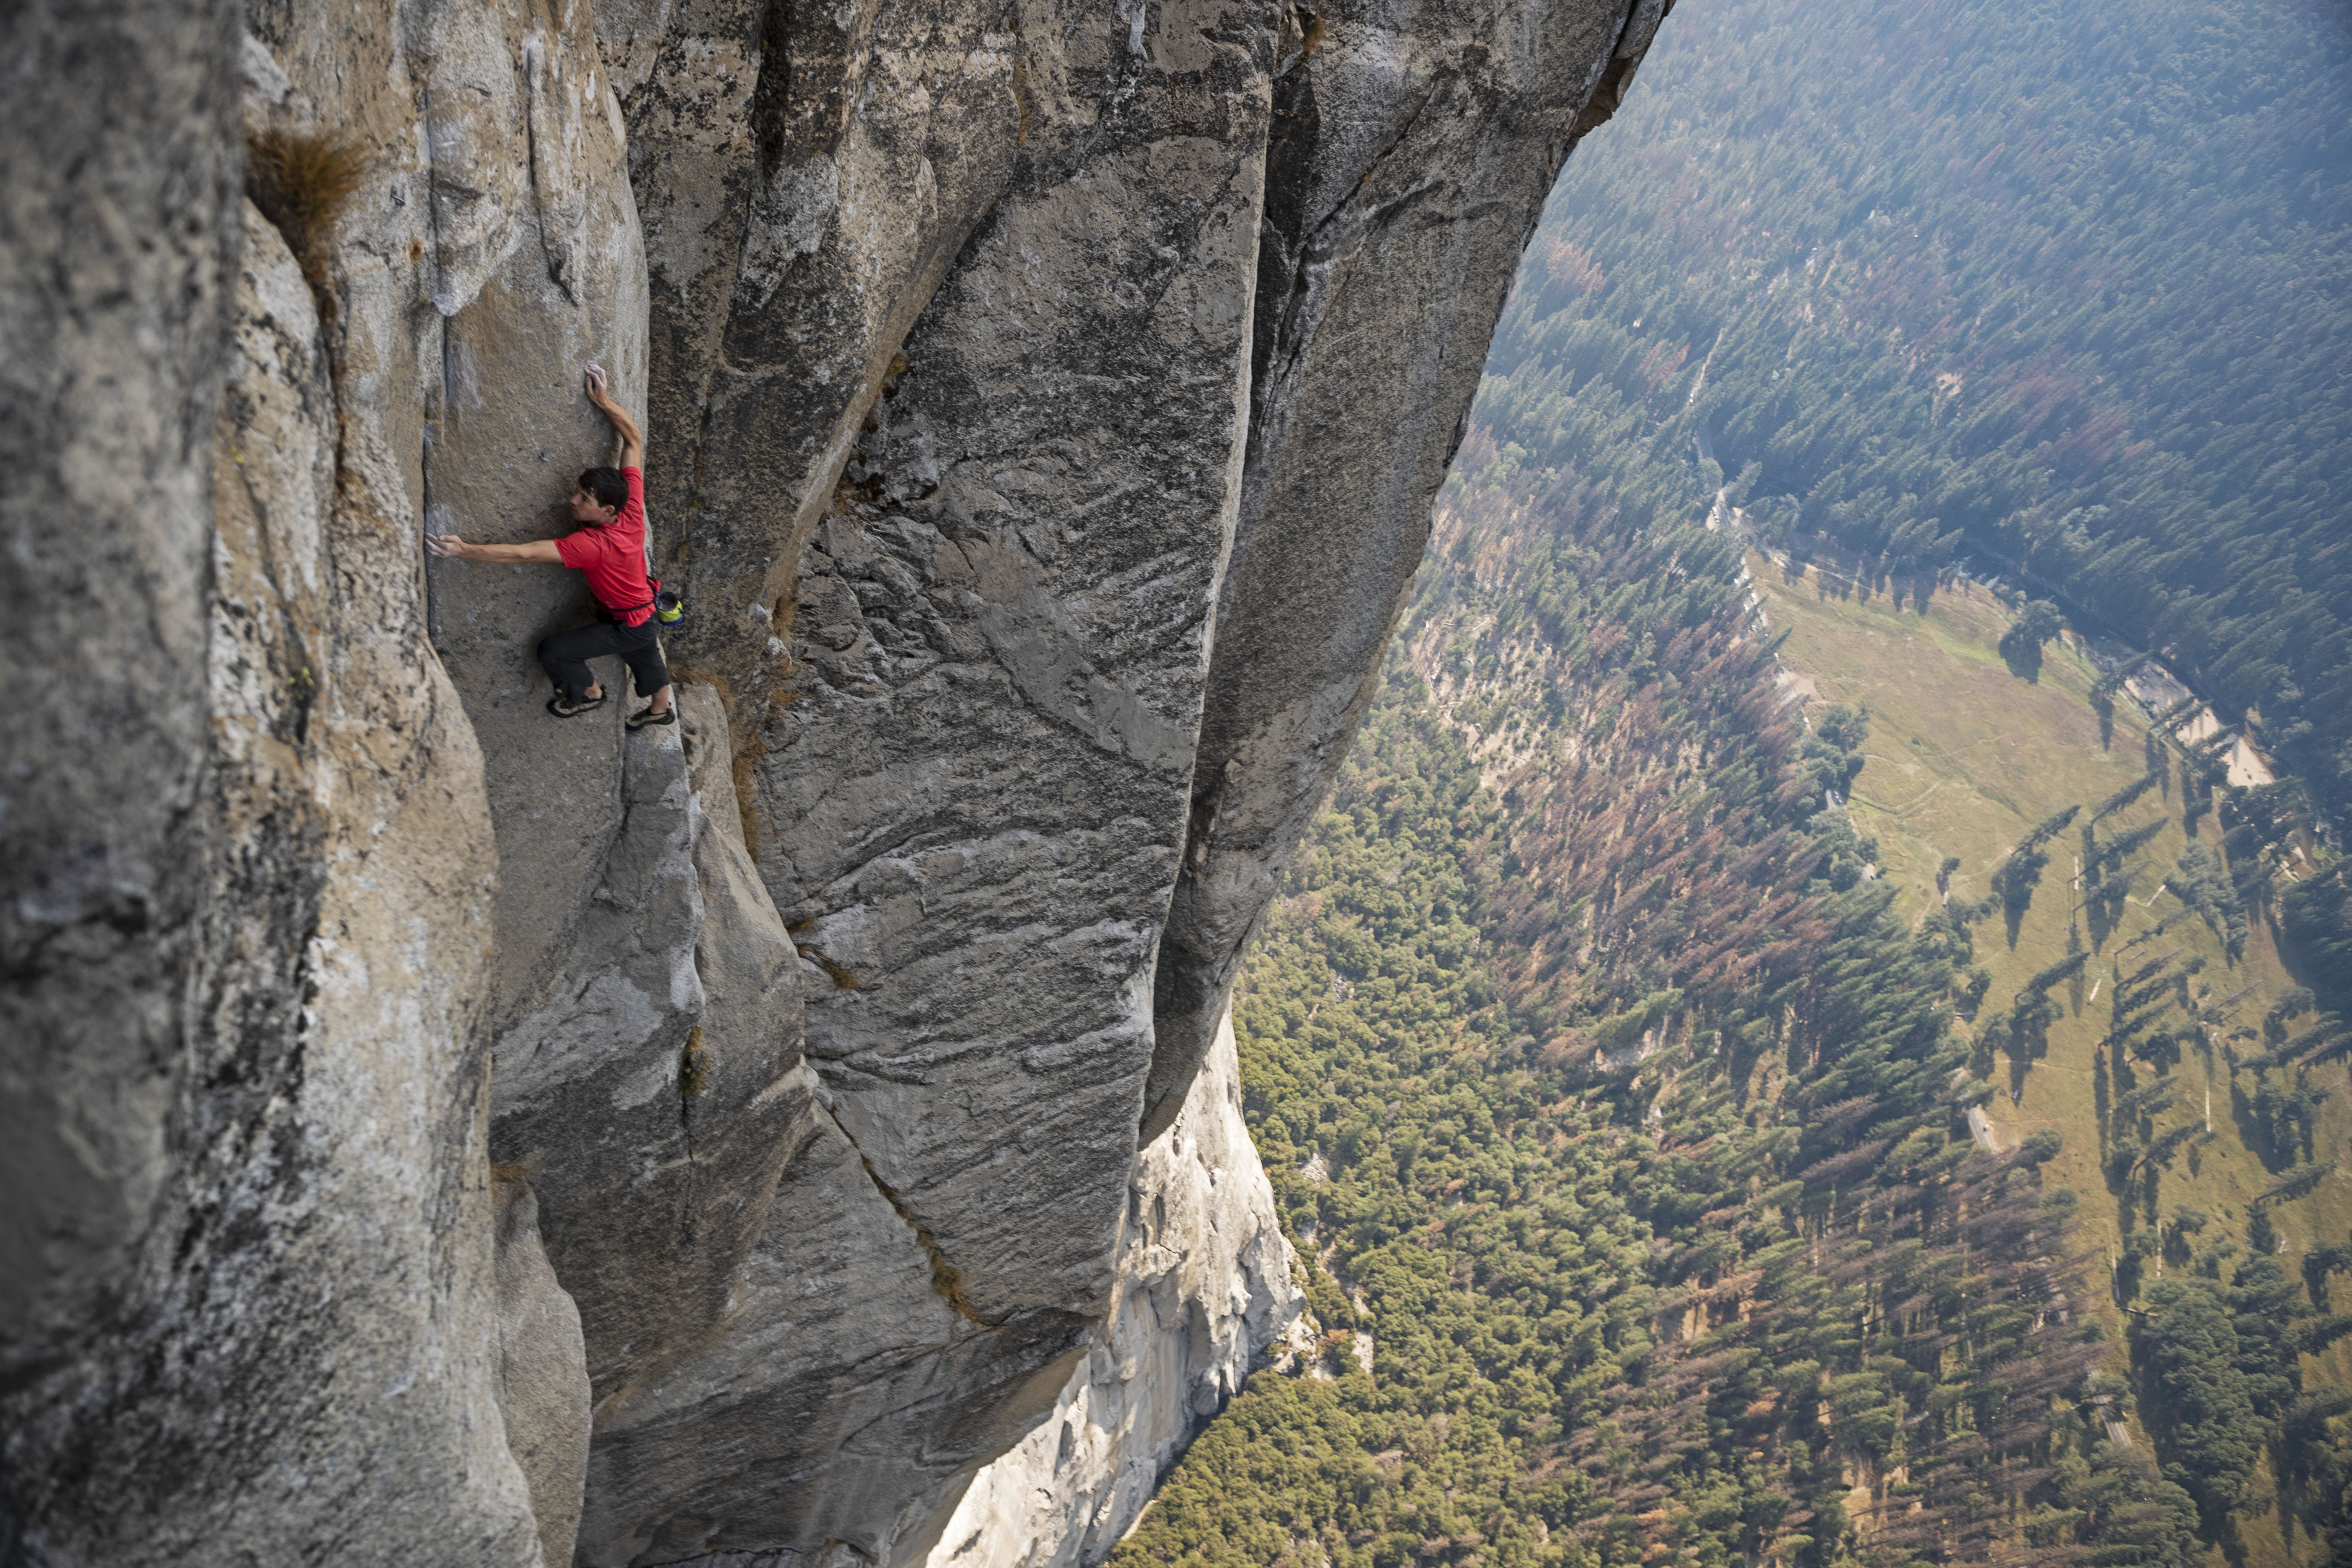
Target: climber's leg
pixel 565 654
pixel 641 645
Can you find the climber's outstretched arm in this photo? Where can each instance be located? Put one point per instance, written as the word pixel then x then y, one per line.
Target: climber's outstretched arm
pixel 449 545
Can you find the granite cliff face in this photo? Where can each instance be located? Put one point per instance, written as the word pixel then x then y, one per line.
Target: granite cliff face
pixel 1203 1295
pixel 437 1133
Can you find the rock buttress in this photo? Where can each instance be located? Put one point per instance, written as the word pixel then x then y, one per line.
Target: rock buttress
pixel 262 1325
pixel 1044 403
pixel 1042 626
pixel 1409 166
pixel 1205 1291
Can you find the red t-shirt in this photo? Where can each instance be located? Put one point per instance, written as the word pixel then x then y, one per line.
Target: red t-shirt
pixel 613 557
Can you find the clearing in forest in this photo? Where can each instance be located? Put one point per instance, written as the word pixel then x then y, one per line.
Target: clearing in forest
pixel 1966 760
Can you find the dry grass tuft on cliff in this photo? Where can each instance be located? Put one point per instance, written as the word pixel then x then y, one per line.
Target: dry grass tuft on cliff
pixel 301 180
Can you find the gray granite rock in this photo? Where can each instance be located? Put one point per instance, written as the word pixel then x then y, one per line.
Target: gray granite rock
pixel 539 270
pixel 842 1403
pixel 1412 156
pixel 804 1324
pixel 288 1336
pixel 543 1379
pixel 968 808
pixel 797 220
pixel 993 612
pixel 655 1098
pixel 973 799
pixel 1044 404
pixel 1205 1293
pixel 118 261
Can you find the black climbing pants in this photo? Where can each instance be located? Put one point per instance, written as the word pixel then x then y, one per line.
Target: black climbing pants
pixel 565 655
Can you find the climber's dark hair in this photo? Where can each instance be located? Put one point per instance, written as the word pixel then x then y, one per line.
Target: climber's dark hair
pixel 606 486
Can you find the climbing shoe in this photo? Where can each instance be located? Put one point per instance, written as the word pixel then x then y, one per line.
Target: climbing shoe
pixel 643 717
pixel 564 710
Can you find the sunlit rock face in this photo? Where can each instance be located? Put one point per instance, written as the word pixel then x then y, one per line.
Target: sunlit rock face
pixel 1205 1293
pixel 440 1132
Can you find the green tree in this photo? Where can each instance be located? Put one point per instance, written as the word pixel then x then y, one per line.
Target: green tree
pixel 2198 1404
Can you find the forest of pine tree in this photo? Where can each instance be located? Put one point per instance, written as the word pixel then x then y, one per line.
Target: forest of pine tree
pixel 2061 290
pixel 1607 1095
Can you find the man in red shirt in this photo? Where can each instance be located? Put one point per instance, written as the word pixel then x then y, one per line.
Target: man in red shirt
pixel 609 550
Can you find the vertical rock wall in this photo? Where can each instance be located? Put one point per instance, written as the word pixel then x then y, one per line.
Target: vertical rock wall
pixel 243 991
pixel 1411 160
pixel 111 357
pixel 543 1398
pixel 1205 1291
pixel 1213 284
pixel 539 270
pixel 1044 403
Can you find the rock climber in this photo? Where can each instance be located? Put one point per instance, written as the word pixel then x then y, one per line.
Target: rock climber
pixel 610 549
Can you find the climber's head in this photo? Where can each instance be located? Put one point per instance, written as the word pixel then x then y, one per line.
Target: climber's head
pixel 602 494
